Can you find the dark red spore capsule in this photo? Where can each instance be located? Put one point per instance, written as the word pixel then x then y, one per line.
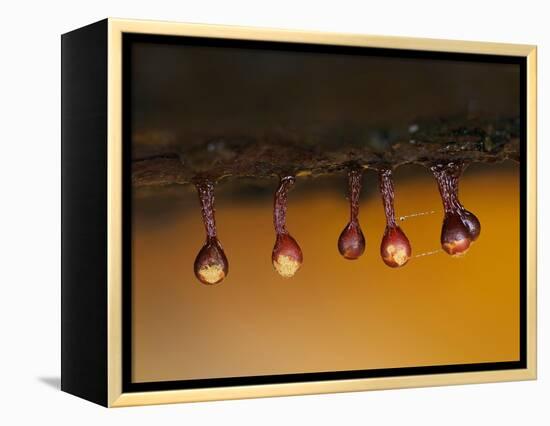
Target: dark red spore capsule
pixel 460 226
pixel 351 243
pixel 455 237
pixel 471 222
pixel 395 248
pixel 211 266
pixel 287 255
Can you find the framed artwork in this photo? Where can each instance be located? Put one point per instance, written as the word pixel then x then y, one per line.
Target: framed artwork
pixel 253 212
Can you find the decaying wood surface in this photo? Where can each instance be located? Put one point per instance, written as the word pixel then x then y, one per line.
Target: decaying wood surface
pixel 280 154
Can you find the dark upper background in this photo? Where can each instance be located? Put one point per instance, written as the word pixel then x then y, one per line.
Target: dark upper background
pixel 185 95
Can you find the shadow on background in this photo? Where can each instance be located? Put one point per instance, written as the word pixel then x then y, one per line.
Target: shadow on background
pixel 53 382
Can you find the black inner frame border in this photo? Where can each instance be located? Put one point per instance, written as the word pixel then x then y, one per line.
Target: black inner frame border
pixel 128 386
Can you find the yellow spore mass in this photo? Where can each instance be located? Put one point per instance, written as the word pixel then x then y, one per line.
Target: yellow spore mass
pixel 211 274
pixel 397 255
pixel 286 266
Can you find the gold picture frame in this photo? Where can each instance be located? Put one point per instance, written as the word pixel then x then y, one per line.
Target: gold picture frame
pixel 115 396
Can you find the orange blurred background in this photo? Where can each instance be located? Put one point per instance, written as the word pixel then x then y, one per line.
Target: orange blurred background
pixel 335 314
